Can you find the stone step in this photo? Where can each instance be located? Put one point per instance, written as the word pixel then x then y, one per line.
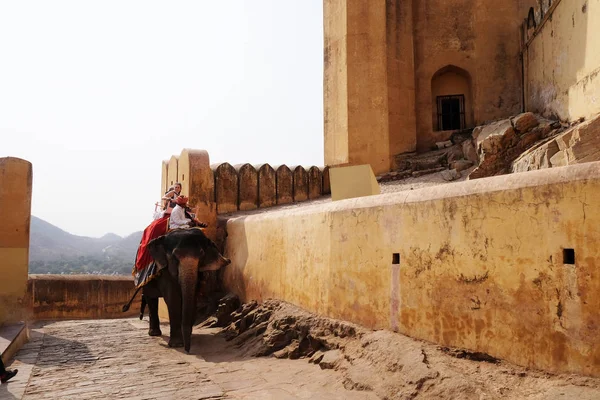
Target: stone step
pixel 12 338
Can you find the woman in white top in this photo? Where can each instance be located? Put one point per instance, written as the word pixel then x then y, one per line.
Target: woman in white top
pixel 171 195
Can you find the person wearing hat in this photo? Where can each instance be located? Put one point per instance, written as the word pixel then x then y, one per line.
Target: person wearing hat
pixel 6 374
pixel 180 217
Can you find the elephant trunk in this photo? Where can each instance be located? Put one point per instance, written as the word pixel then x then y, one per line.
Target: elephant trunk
pixel 188 278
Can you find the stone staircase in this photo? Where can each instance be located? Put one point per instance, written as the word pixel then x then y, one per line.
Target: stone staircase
pixel 449 156
pixel 12 338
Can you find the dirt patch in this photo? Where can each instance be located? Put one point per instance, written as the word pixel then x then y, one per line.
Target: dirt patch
pixel 390 365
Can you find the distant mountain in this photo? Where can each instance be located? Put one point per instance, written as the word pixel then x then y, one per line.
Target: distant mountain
pixel 52 250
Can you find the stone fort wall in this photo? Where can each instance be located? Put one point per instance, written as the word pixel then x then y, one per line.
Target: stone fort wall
pixel 561 59
pixel 15 214
pixel 242 187
pixel 506 265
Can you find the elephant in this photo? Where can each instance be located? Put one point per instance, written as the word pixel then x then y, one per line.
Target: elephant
pixel 180 255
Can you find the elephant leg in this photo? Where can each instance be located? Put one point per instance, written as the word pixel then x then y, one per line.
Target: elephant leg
pixel 153 313
pixel 172 295
pixel 151 293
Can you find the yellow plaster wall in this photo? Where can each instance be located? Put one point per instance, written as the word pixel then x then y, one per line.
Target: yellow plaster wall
pixel 172 171
pixel 480 264
pixel 401 76
pixel 198 184
pixel 357 68
pixel 335 76
pixel 379 61
pixel 15 214
pixel 481 37
pixel 164 178
pixel 563 62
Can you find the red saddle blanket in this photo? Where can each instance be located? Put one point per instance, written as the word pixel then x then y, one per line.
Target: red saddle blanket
pixel 155 229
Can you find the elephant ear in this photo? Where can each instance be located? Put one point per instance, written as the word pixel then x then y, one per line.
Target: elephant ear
pixel 157 250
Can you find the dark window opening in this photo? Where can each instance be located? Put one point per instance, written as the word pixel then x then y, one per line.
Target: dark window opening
pixel 451 112
pixel 569 256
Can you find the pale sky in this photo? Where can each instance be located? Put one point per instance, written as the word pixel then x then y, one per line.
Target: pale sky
pixel 97 93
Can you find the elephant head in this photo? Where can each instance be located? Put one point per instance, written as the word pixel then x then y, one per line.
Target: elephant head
pixel 185 253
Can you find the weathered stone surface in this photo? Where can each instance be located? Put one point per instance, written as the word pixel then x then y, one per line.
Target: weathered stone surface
pixel 267 186
pixel 477 131
pixel 443 145
pixel 459 137
pixel 285 184
pixel 455 152
pixel 583 144
pixel 331 359
pixel 226 188
pixel 80 296
pixel 502 143
pixel 461 165
pixel 116 359
pixel 315 182
pixel 470 152
pixel 525 122
pixel 494 137
pixel 579 144
pixel 450 175
pixel 248 187
pixel 300 183
pixel 422 172
pixel 536 158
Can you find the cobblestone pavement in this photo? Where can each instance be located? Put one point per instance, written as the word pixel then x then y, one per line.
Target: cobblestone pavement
pixel 116 359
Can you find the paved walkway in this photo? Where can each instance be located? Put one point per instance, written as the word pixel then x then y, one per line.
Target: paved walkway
pixel 116 359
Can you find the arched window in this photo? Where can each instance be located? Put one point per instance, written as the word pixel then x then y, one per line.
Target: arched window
pixel 452 100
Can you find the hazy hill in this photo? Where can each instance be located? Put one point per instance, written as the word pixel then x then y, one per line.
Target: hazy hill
pixel 52 250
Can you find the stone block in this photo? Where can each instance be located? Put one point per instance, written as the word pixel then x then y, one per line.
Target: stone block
pixel 477 132
pixel 585 142
pixel 450 175
pixel 248 187
pixel 331 359
pixel 353 181
pixel 560 159
pixel 530 138
pixel 461 165
pixel 469 151
pixel 300 183
pixel 455 153
pixel 285 184
pixel 525 122
pixel 315 182
pixel 536 158
pixel 226 188
pixel 326 181
pixel 443 145
pixel 494 137
pixel 267 186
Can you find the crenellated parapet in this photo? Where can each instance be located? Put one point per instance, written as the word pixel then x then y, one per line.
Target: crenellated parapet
pixel 244 187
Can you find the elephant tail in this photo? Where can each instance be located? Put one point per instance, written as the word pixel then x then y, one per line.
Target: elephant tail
pixel 126 306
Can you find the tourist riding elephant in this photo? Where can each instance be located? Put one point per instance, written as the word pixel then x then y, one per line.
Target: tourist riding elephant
pixel 180 255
